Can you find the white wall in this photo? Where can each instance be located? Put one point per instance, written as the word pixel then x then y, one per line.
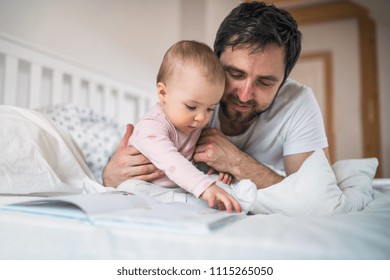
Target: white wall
pixel 216 11
pixel 201 18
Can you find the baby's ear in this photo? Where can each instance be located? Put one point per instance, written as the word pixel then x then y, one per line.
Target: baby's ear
pixel 161 91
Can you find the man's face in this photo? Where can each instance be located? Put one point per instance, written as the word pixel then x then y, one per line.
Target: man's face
pixel 252 81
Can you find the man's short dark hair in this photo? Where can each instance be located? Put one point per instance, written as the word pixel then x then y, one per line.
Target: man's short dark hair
pixel 258 25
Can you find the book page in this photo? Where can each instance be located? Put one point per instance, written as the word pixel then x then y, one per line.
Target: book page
pixel 179 217
pixel 120 209
pixel 89 204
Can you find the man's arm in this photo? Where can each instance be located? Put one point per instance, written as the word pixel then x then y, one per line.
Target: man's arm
pixel 262 176
pixel 128 163
pixel 293 162
pixel 219 153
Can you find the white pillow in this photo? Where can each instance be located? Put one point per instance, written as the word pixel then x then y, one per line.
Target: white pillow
pixel 355 178
pixel 39 157
pixel 312 190
pixel 96 135
pixel 318 189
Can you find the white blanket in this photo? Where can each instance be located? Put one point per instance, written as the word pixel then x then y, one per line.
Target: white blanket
pixel 320 189
pixel 39 157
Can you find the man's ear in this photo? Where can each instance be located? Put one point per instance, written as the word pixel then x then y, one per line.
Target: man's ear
pixel 161 91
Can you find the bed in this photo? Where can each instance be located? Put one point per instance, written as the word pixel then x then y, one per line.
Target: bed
pixel 73 116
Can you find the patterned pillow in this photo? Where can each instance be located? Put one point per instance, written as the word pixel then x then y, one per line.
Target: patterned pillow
pixel 96 135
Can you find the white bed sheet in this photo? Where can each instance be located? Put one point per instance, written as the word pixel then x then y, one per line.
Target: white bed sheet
pixel 358 235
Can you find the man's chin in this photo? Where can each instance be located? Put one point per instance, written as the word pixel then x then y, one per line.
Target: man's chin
pixel 241 118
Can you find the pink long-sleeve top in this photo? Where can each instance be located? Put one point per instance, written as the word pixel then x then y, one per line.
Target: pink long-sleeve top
pixel 170 151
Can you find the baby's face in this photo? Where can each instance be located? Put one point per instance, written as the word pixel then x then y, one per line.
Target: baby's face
pixel 191 99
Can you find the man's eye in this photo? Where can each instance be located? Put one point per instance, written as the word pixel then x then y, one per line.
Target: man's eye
pixel 236 75
pixel 262 83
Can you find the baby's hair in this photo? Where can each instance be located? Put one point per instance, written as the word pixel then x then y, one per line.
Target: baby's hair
pixel 191 54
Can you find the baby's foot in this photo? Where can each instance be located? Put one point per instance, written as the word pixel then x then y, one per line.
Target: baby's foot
pixel 243 191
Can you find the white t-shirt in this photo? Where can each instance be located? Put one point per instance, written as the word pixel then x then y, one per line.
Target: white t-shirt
pixel 293 124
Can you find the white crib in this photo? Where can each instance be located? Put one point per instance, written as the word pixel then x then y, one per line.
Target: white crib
pixel 33 78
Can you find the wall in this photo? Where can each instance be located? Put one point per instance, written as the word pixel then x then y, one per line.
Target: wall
pixel 201 19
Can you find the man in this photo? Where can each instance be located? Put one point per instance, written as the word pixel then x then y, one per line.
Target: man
pixel 266 125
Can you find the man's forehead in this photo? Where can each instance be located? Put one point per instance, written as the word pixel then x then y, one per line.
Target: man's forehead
pixel 265 62
pixel 250 50
pixel 272 53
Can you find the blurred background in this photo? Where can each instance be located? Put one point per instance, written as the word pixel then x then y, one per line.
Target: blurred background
pixel 345 56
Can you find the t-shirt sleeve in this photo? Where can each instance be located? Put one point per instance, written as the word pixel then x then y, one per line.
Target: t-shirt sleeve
pixel 152 139
pixel 306 131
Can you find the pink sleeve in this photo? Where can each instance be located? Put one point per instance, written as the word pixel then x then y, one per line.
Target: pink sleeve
pixel 152 139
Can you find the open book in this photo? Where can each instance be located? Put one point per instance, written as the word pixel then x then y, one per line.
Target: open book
pixel 127 210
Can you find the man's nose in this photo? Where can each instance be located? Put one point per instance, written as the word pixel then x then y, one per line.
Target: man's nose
pixel 246 92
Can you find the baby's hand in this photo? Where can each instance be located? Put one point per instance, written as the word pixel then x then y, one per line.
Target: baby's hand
pixel 214 195
pixel 225 178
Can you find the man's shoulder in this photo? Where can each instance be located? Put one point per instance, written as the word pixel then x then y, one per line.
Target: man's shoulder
pixel 293 93
pixel 292 89
pixel 292 96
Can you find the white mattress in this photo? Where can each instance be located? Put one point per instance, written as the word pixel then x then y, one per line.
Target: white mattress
pixel 359 235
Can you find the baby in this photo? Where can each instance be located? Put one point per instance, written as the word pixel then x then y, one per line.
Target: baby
pixel 190 84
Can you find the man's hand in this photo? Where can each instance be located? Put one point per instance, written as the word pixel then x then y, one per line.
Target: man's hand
pixel 215 196
pixel 128 163
pixel 220 154
pixel 214 149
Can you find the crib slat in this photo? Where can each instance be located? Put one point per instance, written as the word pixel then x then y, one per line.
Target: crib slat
pixel 57 87
pixel 10 80
pixel 143 104
pixel 75 89
pixel 35 85
pixel 101 91
pixel 84 93
pixel 50 79
pixel 95 97
pixel 121 106
pixel 109 103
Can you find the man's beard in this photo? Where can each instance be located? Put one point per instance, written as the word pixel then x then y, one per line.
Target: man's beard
pixel 239 117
